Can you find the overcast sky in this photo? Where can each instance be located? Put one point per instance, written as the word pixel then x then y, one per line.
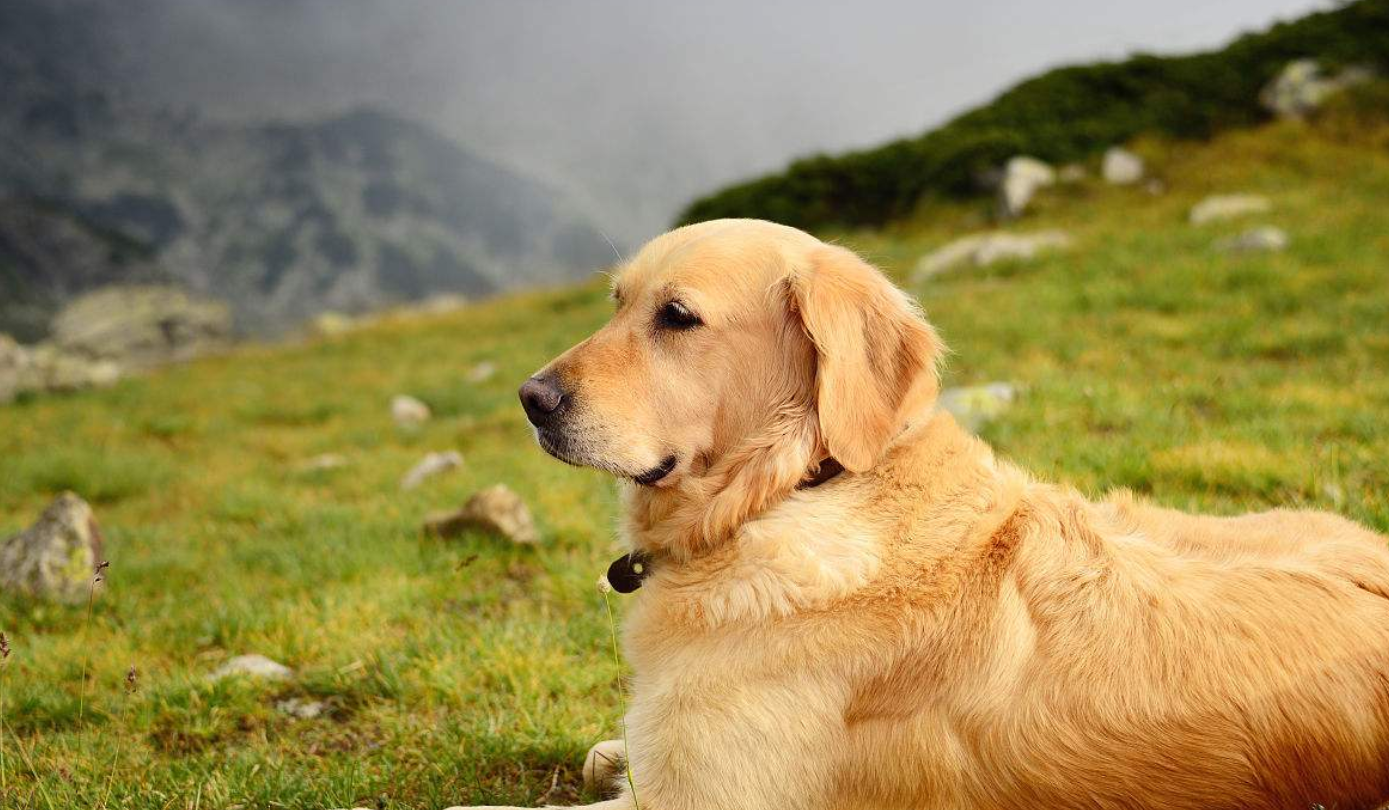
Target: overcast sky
pixel 635 106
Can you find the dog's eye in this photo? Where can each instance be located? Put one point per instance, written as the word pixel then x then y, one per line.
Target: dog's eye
pixel 676 315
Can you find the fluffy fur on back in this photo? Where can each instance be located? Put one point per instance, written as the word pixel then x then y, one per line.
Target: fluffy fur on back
pixel 934 628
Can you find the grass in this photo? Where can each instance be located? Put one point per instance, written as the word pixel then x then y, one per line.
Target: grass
pixel 470 671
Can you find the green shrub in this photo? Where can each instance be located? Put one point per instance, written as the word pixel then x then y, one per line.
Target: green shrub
pixel 1066 114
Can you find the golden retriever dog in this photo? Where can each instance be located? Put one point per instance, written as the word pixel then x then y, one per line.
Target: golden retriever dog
pixel 850 603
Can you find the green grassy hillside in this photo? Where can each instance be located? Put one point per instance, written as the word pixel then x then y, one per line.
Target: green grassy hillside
pixel 472 672
pixel 1065 114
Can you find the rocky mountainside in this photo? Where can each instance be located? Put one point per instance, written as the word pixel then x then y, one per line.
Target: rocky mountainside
pixel 282 220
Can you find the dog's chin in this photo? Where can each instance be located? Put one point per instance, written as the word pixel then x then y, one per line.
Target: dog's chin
pixel 564 449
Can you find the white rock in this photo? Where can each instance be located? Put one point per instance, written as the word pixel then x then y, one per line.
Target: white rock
pixel 1227 206
pixel 976 405
pixel 1301 88
pixel 1022 176
pixel 1121 167
pixel 981 250
pixel 324 461
pixel 432 465
pixel 482 372
pixel 1266 239
pixel 302 709
pixel 55 559
pixel 252 666
pixel 408 412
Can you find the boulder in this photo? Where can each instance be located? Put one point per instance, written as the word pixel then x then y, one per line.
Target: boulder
pixel 1265 239
pixel 14 364
pixel 55 559
pixel 1227 206
pixel 409 412
pixel 976 405
pixel 141 327
pixel 252 666
pixel 983 249
pixel 1022 176
pixel 52 369
pixel 482 372
pixel 430 466
pixel 323 462
pixel 1121 167
pixel 1301 88
pixel 496 509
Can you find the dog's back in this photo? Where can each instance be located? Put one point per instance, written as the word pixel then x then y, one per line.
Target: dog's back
pixel 1184 661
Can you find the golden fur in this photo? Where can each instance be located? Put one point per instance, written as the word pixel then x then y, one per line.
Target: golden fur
pixel 933 628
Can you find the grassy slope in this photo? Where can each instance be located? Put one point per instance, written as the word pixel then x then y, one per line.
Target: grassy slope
pixel 468 671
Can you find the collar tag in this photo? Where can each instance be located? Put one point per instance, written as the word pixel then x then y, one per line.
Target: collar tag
pixel 627 572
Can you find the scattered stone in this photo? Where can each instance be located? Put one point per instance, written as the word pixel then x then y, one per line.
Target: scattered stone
pixel 983 249
pixel 482 372
pixel 496 509
pixel 141 327
pixel 252 666
pixel 1155 187
pixel 332 324
pixel 302 709
pixel 977 405
pixel 409 412
pixel 52 369
pixel 14 362
pixel 1227 206
pixel 1266 239
pixel 1072 173
pixel 432 465
pixel 56 558
pixel 323 462
pixel 604 763
pixel 1022 176
pixel 1121 167
pixel 1301 88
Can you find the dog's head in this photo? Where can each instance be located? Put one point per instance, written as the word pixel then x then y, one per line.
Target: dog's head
pixel 737 344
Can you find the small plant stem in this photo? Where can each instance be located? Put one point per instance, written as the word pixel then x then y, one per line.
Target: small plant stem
pixel 86 654
pixel 621 702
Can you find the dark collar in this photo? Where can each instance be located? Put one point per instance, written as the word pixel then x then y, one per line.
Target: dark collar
pixel 627 572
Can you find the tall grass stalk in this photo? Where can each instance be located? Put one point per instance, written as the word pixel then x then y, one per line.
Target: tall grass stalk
pixel 4 667
pixel 97 576
pixel 606 589
pixel 131 679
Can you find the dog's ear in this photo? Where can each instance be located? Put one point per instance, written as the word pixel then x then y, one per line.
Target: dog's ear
pixel 876 355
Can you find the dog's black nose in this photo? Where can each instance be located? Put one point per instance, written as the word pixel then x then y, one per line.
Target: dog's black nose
pixel 542 398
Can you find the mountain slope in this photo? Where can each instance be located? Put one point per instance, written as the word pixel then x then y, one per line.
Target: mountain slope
pixel 1065 114
pixel 281 219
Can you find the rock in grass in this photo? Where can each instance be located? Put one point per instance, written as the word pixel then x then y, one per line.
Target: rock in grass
pixel 482 372
pixel 141 327
pixel 1301 88
pixel 56 558
pixel 430 466
pixel 983 249
pixel 976 405
pixel 1121 167
pixel 14 360
pixel 408 412
pixel 1022 176
pixel 1266 239
pixel 252 666
pixel 323 462
pixel 496 510
pixel 302 709
pixel 1227 206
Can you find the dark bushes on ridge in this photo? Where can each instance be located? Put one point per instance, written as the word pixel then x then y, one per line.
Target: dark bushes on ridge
pixel 1066 114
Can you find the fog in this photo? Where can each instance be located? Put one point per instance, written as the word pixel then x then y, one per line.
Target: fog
pixel 633 108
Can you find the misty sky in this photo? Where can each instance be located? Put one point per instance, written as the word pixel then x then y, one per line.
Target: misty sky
pixel 632 107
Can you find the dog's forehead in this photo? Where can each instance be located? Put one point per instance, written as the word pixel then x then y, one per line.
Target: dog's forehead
pixel 730 261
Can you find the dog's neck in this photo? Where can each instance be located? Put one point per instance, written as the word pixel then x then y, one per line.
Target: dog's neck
pixel 701 512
